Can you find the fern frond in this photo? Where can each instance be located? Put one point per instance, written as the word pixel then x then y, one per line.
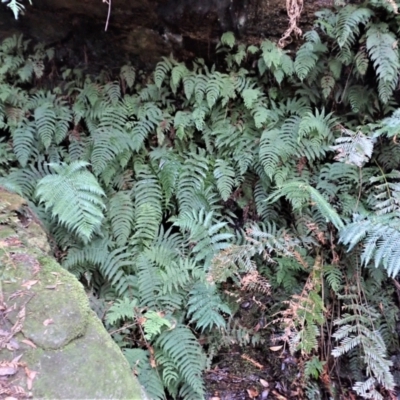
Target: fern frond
pixel 301 194
pixel 381 239
pixel 381 46
pixel 308 54
pixel 225 177
pixel 356 149
pixel 139 361
pixel 24 139
pixel 205 307
pixel 348 23
pixel 74 196
pixel 183 348
pixel 121 215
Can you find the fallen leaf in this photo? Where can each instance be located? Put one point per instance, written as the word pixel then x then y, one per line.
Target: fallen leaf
pixel 254 362
pixel 48 322
pixel 8 370
pixel 29 343
pixel 275 348
pixel 252 392
pixel 264 383
pixel 29 284
pixel 16 359
pixel 30 377
pixel 265 394
pixel 12 345
pixel 279 396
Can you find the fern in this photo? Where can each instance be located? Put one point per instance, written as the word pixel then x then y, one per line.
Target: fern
pixel 348 23
pixel 204 234
pixel 121 214
pixel 205 307
pixel 355 330
pixel 121 309
pixel 381 46
pixel 211 183
pixel 139 360
pixel 299 194
pixel 308 54
pixel 148 211
pixel 380 237
pixel 128 74
pixel 74 197
pixel 356 149
pixel 224 174
pixel 182 347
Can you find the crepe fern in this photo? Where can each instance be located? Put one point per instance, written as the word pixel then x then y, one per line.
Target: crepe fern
pixel 270 175
pixel 74 197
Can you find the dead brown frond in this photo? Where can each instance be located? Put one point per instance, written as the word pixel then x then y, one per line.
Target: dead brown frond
pixel 254 282
pixel 303 313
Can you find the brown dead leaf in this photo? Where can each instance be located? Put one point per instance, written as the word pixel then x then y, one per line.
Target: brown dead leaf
pixel 29 343
pixel 8 369
pixel 12 345
pixel 48 321
pixel 29 284
pixel 275 348
pixel 30 376
pixel 251 360
pixel 264 383
pixel 252 392
pixel 278 396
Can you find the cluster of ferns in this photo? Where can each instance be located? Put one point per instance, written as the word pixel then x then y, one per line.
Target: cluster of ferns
pixel 274 172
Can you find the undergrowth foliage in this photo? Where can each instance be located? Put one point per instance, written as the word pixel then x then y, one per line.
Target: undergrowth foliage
pixel 272 174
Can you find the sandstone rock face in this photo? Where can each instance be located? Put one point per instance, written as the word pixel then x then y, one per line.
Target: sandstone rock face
pixel 52 346
pixel 142 31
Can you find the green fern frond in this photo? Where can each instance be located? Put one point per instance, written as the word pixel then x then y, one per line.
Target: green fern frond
pixel 381 238
pixel 225 177
pixel 348 23
pixel 161 71
pixel 154 324
pixel 24 139
pixel 128 74
pixel 148 208
pixel 122 309
pixel 203 233
pixel 381 47
pixel 149 378
pixel 193 173
pixel 205 307
pixel 121 215
pixel 183 348
pixel 301 194
pixel 308 54
pixel 74 196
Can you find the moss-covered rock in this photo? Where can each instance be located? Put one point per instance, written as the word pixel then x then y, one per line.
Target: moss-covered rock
pixel 47 321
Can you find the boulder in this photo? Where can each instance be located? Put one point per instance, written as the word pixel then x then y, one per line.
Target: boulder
pixel 52 345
